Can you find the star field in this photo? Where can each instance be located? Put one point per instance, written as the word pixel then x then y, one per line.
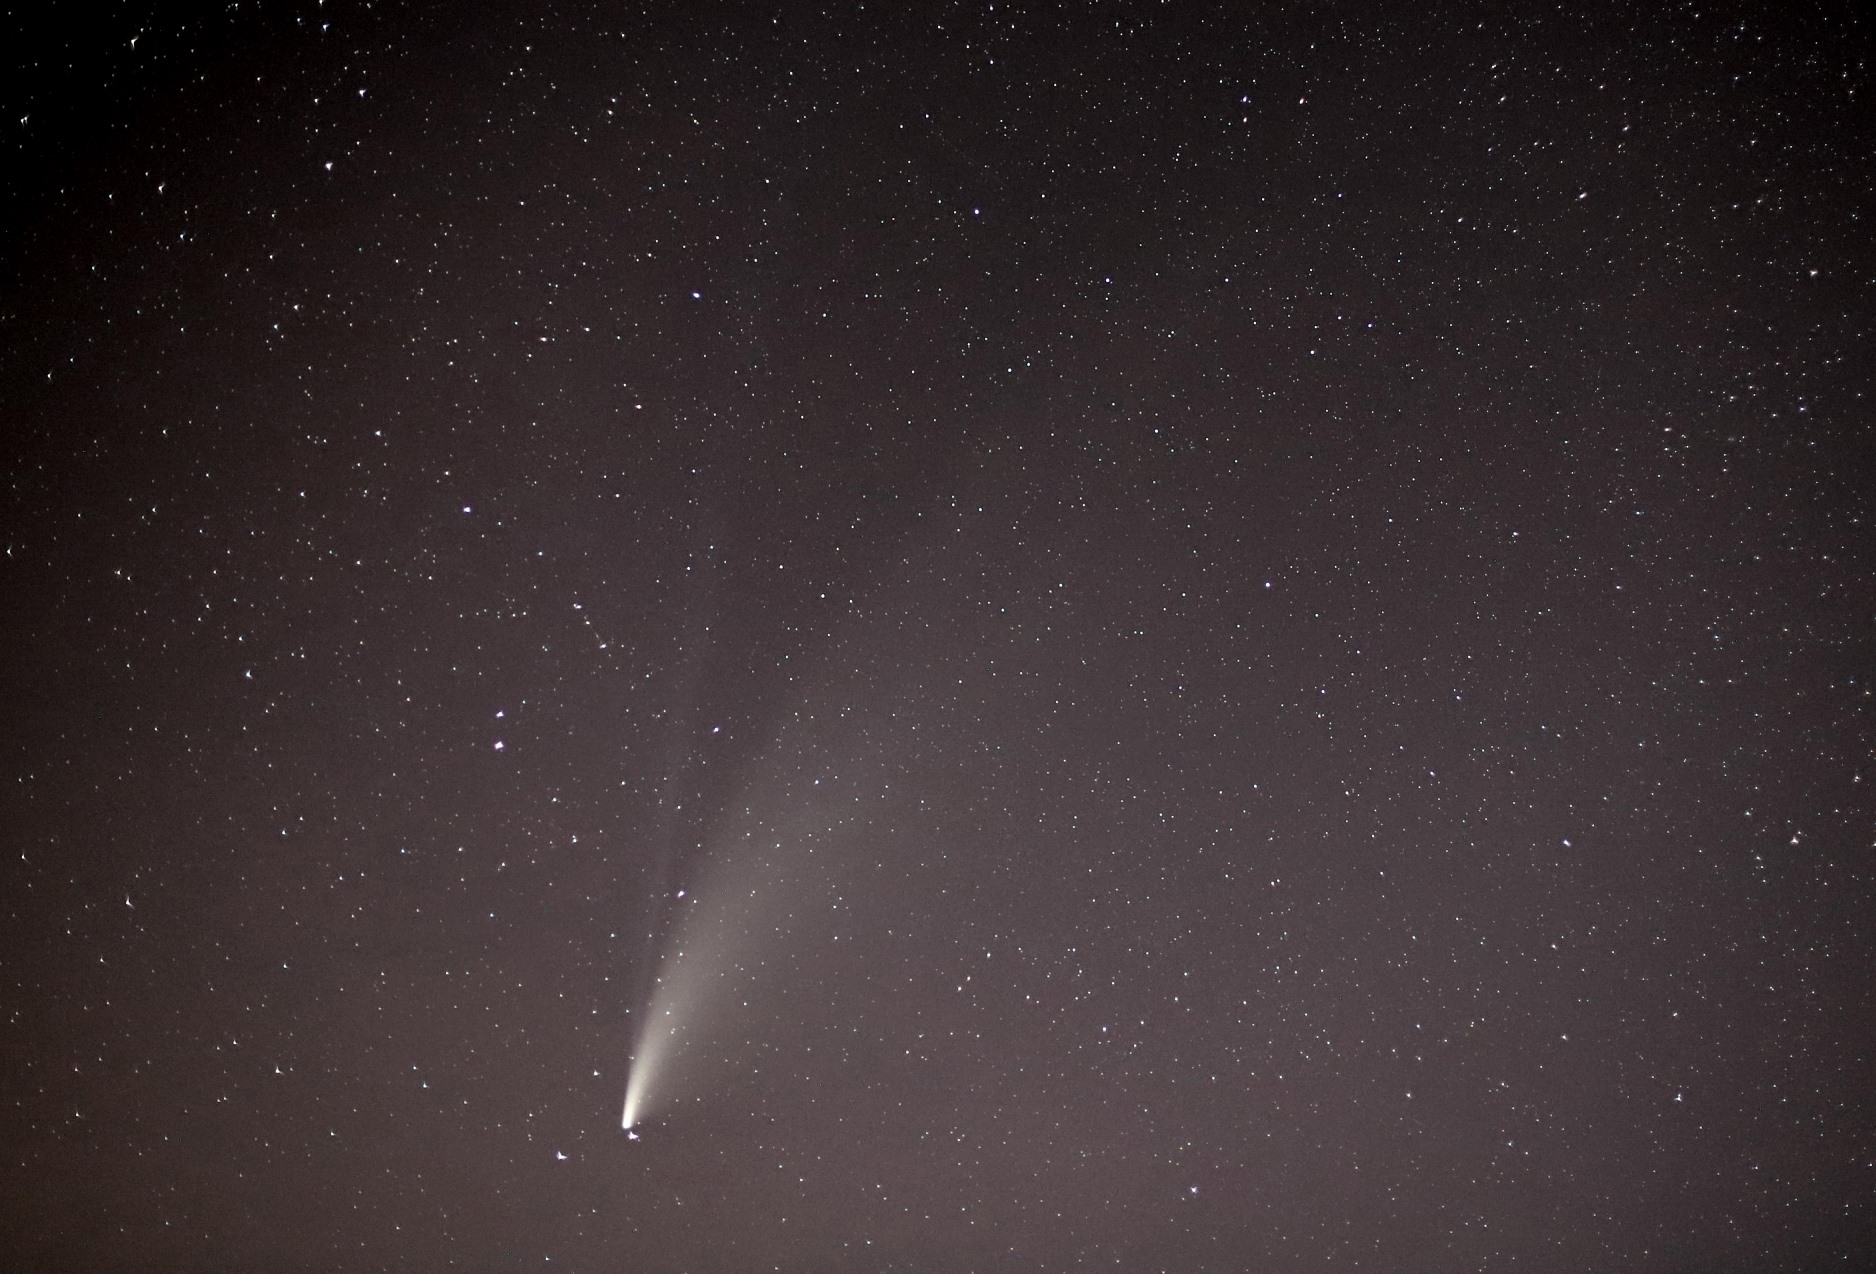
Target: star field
pixel 1183 637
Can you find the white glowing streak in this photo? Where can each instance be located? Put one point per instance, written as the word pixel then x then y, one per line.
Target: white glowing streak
pixel 653 1044
pixel 632 1098
pixel 752 894
pixel 638 1081
pixel 691 1022
pixel 687 998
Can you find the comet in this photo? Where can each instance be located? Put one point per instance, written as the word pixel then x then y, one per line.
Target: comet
pixel 753 889
pixel 756 888
pixel 638 1084
pixel 688 1000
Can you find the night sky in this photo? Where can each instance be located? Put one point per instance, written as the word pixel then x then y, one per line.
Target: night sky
pixel 1179 636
